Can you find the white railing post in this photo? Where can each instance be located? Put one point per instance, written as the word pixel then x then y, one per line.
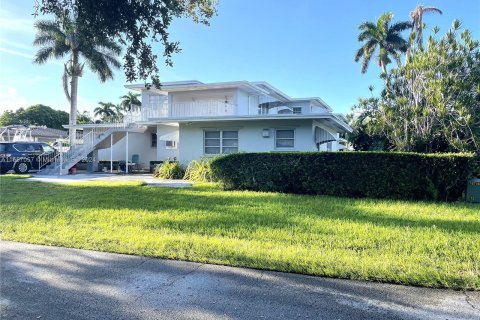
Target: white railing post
pixel 126 155
pixel 111 152
pixel 61 157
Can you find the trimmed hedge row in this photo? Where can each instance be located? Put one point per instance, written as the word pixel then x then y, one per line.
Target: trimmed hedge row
pixel 350 174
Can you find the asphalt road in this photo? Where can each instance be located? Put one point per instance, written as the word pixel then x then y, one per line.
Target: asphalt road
pixel 41 282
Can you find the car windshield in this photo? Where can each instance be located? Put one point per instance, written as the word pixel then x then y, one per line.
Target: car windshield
pixel 47 148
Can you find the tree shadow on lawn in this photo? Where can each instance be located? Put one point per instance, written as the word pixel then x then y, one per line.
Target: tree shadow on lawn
pixel 57 283
pixel 225 209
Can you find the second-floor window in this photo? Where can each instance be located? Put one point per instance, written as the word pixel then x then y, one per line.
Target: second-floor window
pixel 297 110
pixel 220 141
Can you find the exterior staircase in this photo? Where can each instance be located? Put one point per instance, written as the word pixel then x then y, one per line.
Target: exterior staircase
pixel 66 158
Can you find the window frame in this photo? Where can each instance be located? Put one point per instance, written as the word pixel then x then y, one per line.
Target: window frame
pixel 153 142
pixel 297 110
pixel 173 146
pixel 221 140
pixel 276 138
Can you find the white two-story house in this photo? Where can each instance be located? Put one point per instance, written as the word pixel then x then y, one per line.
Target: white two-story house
pixel 189 120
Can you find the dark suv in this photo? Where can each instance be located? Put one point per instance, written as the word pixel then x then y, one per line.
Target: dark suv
pixel 24 156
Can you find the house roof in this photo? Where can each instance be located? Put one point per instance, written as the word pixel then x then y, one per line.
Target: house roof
pixel 255 87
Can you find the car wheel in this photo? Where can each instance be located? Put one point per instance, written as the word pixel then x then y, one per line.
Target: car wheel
pixel 21 167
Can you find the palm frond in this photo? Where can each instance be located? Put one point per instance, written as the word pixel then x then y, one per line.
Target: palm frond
pixel 359 54
pixel 48 26
pixel 367 25
pixel 43 39
pixel 43 55
pixel 367 56
pixel 367 34
pixel 400 26
pixel 431 9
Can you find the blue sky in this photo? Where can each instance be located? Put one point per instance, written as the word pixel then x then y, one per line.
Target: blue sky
pixel 303 47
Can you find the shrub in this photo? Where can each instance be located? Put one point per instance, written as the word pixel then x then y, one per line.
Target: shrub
pixel 169 170
pixel 199 171
pixel 351 174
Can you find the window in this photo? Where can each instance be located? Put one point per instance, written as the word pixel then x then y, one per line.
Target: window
pixel 220 142
pixel 171 144
pixel 297 110
pixel 284 138
pixel 20 147
pixel 154 140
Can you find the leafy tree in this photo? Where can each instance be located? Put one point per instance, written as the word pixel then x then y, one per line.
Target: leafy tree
pixel 9 117
pixel 129 100
pixel 38 114
pixel 383 38
pixel 363 137
pixel 84 117
pixel 106 111
pixel 132 23
pixel 432 103
pixel 417 21
pixel 69 38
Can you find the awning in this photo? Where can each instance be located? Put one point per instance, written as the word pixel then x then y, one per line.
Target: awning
pixel 323 136
pixel 173 136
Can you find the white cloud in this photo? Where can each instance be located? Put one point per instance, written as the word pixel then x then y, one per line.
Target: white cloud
pixel 17 53
pixel 10 99
pixel 16 44
pixel 10 23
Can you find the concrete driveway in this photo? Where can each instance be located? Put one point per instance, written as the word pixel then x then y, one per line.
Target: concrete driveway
pixel 41 282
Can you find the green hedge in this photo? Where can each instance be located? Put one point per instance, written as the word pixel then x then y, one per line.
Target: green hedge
pixel 349 174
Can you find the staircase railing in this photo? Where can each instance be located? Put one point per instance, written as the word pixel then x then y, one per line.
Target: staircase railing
pixel 62 160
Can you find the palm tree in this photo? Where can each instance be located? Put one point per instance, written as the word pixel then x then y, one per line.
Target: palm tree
pixel 417 21
pixel 106 111
pixel 381 37
pixel 58 40
pixel 129 100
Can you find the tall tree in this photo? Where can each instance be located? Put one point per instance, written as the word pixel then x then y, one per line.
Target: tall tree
pixel 106 111
pixel 38 114
pixel 381 37
pixel 58 39
pixel 134 24
pixel 417 21
pixel 432 103
pixel 129 100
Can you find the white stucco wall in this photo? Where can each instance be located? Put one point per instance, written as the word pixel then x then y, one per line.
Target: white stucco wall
pixel 250 137
pixel 163 152
pixel 138 143
pixel 247 103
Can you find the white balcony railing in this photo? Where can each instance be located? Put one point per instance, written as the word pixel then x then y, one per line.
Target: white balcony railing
pixel 205 108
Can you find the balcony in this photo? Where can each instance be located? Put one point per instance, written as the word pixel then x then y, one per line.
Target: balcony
pixel 204 108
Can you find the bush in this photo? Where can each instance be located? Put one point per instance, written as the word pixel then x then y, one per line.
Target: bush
pixel 199 171
pixel 349 174
pixel 169 170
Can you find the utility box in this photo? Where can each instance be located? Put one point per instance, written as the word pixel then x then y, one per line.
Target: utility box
pixel 473 191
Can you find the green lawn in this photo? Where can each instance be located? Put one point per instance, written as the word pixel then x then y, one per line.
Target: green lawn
pixel 416 243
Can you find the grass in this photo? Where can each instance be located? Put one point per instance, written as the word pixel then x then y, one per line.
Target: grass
pixel 414 243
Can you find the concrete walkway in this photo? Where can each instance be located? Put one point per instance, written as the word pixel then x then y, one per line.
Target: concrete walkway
pixel 40 282
pixel 148 179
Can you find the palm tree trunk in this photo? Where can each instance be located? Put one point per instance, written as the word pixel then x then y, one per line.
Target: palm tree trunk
pixel 73 100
